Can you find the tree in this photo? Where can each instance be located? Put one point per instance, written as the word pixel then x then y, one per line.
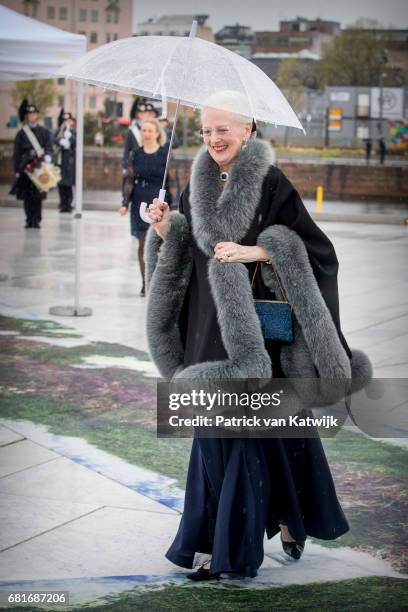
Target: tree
pixel 41 92
pixel 355 58
pixel 290 79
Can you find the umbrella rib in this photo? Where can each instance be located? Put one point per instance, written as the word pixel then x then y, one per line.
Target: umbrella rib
pixel 169 59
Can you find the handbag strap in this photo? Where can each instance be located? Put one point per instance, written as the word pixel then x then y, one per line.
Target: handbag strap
pixel 285 297
pixel 33 140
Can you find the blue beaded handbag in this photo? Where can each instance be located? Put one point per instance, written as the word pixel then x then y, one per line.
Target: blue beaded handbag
pixel 275 316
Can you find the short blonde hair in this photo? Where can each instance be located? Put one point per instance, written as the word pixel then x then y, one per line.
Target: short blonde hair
pixel 162 136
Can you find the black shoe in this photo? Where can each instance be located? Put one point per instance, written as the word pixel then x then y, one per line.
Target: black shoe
pixel 204 574
pixel 36 225
pixel 293 549
pixel 28 224
pixel 143 290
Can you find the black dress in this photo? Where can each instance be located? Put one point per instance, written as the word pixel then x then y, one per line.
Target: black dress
pixel 148 172
pixel 239 488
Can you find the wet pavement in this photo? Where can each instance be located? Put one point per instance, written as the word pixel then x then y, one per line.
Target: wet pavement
pixel 74 515
pixel 332 210
pixel 38 266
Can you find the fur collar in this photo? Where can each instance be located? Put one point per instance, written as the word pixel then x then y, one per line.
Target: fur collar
pixel 238 200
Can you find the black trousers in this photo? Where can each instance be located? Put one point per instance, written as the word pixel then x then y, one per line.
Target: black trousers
pixel 33 208
pixel 66 195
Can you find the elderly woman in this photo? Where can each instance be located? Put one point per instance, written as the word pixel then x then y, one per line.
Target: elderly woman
pixel 239 209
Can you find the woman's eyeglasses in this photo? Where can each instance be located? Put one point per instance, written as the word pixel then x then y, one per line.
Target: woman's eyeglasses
pixel 220 131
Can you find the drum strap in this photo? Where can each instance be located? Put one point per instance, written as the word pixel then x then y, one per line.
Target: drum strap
pixel 33 140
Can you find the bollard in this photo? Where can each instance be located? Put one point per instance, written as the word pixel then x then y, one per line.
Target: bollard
pixel 319 198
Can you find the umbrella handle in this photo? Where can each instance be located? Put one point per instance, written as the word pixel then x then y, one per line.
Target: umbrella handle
pixel 143 213
pixel 144 205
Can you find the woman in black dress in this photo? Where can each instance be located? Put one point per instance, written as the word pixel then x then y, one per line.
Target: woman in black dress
pixel 239 209
pixel 146 170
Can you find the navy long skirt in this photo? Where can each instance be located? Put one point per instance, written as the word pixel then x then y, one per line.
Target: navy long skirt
pixel 238 489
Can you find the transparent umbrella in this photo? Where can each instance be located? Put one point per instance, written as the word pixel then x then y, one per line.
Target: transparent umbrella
pixel 186 70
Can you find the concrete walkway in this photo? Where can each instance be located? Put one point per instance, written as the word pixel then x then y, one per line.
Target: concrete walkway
pixel 78 518
pixel 73 518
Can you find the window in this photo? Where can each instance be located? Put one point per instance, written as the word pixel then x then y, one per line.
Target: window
pixel 108 37
pixel 12 122
pixel 61 81
pixel 48 123
pixel 63 13
pixel 50 12
pixel 92 101
pixel 61 101
pixel 114 36
pixel 94 37
pixel 94 16
pixel 112 16
pixel 30 8
pixel 82 15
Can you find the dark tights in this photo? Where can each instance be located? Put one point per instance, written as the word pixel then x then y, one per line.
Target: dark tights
pixel 140 253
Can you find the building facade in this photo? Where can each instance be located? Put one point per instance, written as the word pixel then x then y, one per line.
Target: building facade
pixel 175 25
pixel 101 21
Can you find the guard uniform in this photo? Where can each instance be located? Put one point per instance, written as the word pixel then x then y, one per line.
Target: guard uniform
pixel 65 139
pixel 24 154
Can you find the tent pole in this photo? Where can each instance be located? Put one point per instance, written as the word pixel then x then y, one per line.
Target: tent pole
pixel 77 310
pixel 79 188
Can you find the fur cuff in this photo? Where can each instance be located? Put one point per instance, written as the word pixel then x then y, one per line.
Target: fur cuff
pixel 169 265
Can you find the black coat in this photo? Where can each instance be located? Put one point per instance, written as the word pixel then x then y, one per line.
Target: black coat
pixel 130 144
pixel 23 188
pixel 280 204
pixel 66 159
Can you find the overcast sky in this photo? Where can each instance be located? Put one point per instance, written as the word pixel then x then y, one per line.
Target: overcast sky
pixel 266 14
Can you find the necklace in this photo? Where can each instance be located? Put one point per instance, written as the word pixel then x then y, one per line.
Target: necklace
pixel 224 176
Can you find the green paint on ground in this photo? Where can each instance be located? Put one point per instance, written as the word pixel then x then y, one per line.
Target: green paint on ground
pixel 359 595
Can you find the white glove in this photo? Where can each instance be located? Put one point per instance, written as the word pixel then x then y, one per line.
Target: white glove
pixel 64 142
pixel 47 158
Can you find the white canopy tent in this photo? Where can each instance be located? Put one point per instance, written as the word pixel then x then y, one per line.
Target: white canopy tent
pixel 29 50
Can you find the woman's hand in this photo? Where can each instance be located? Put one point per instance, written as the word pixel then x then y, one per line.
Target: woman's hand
pixel 159 212
pixel 122 211
pixel 233 252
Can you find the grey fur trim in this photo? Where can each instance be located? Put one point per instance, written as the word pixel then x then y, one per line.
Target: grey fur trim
pixel 238 200
pixel 291 262
pixel 153 243
pixel 170 270
pixel 317 352
pixel 240 328
pixel 362 370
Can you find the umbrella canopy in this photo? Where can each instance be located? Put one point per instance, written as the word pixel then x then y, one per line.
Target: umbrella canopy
pixel 183 69
pixel 30 49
